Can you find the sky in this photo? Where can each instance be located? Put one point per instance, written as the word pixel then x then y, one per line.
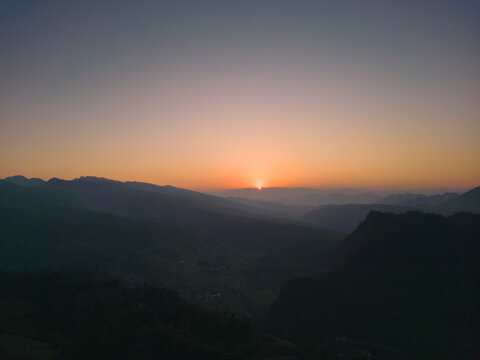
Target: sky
pixel 226 94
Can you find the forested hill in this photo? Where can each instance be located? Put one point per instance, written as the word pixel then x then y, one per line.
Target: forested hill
pixel 408 281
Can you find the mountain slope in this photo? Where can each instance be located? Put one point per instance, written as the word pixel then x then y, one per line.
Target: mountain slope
pixel 165 204
pixel 226 260
pixel 206 215
pixel 409 281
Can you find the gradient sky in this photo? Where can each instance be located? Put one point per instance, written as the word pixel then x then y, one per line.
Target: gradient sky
pixel 222 94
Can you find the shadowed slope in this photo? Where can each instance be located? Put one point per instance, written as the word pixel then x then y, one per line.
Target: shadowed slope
pixel 409 281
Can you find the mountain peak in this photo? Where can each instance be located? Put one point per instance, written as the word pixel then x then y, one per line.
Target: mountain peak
pixel 24 181
pixel 95 179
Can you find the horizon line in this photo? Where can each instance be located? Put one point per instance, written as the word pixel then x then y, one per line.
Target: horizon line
pixel 211 190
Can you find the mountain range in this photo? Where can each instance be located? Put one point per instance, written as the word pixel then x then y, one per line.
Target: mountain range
pixel 402 285
pixel 342 210
pixel 346 217
pixel 211 250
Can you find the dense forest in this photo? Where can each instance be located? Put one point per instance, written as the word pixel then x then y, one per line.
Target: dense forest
pixel 79 314
pixel 410 281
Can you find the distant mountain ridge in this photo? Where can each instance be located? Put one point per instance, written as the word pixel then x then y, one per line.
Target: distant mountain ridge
pixel 345 218
pixel 301 196
pixel 308 197
pixel 23 181
pixel 469 201
pixel 409 199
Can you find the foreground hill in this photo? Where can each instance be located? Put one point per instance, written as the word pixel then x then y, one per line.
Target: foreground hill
pixel 221 260
pixel 409 281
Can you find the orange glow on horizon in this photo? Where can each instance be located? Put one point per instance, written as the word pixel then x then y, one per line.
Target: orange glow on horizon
pixel 226 107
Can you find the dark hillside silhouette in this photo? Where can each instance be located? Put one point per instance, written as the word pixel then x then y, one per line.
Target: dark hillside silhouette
pixel 410 281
